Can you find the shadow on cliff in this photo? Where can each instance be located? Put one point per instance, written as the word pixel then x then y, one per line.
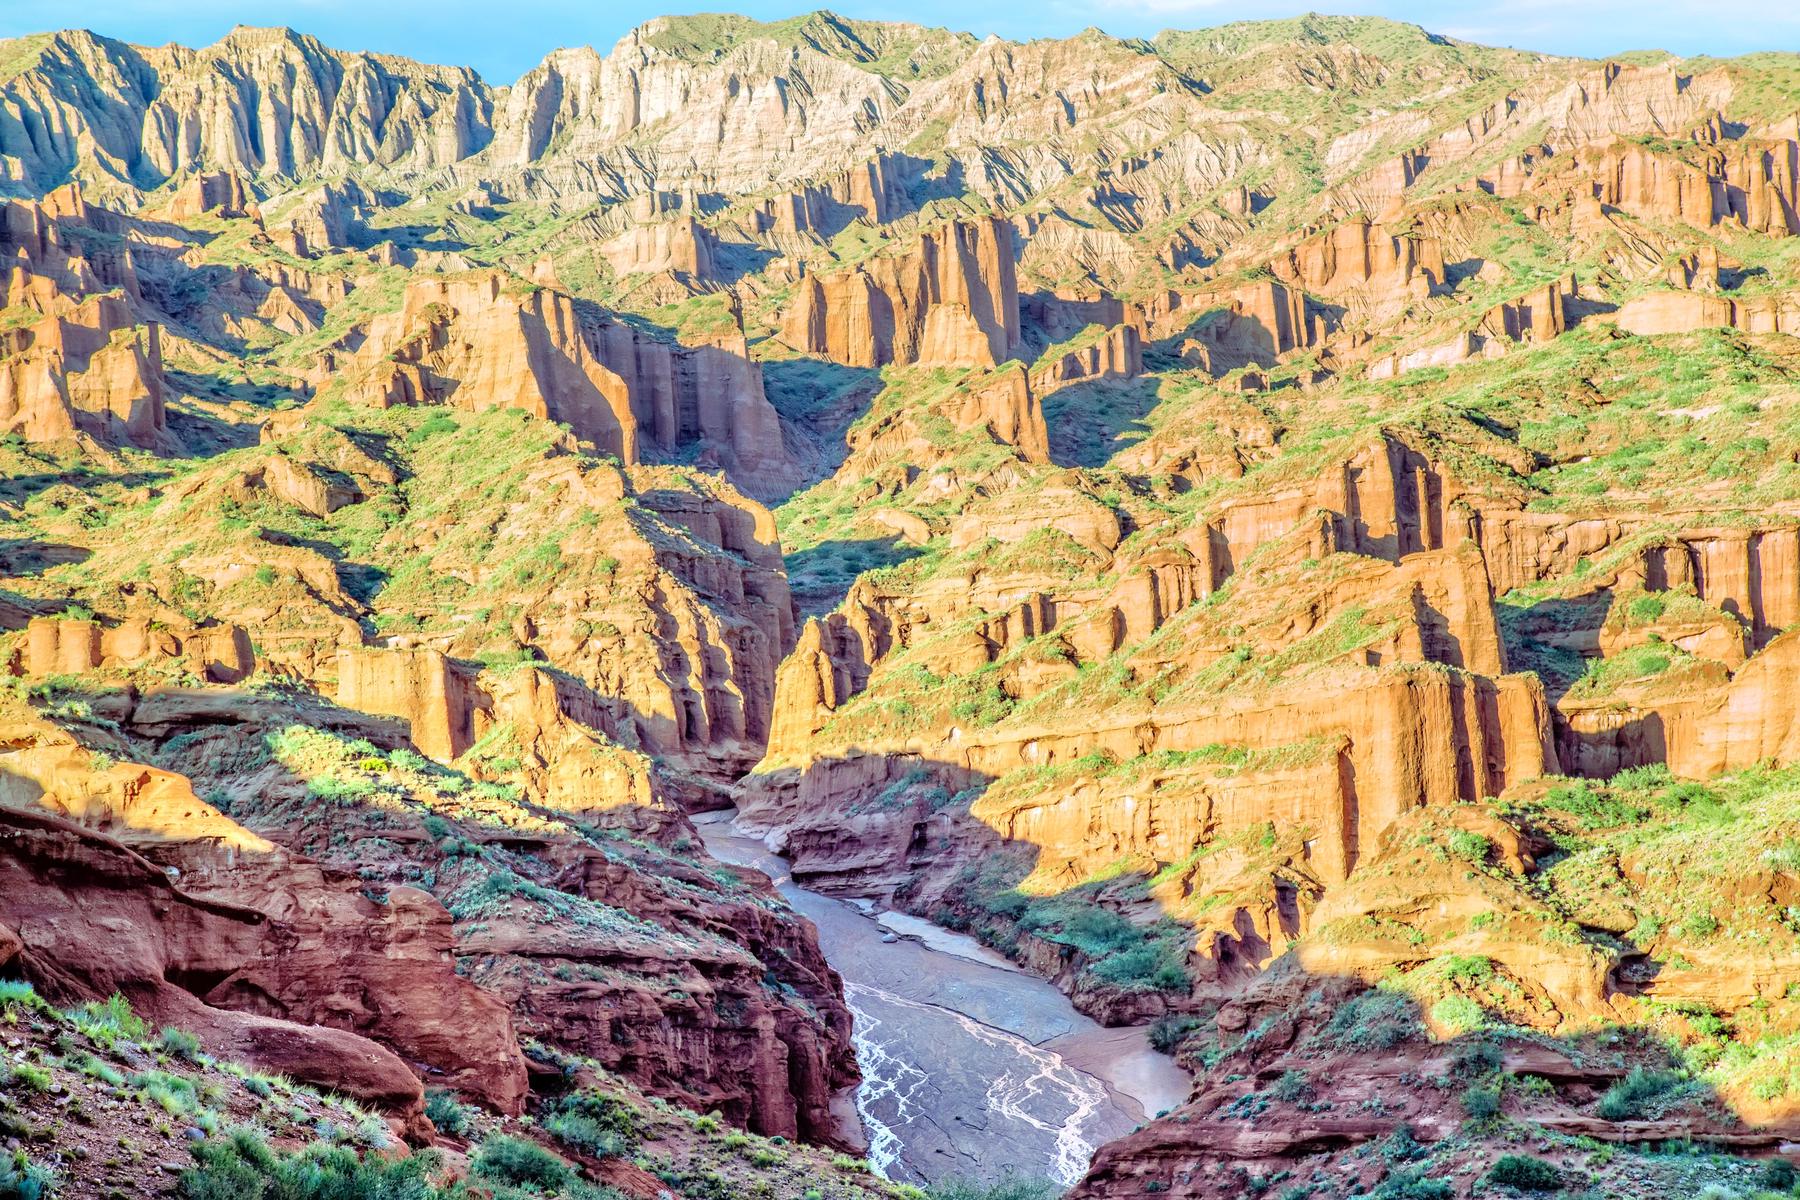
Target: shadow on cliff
pixel 1090 422
pixel 820 577
pixel 901 825
pixel 734 260
pixel 545 897
pixel 18 489
pixel 818 401
pixel 21 557
pixel 361 581
pixel 1303 1073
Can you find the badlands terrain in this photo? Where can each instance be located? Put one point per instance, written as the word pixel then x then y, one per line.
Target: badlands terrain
pixel 1267 557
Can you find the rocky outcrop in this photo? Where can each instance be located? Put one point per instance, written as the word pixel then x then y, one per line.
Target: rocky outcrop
pixel 682 245
pixel 438 701
pixel 950 299
pixel 92 370
pixel 582 915
pixel 77 247
pixel 1750 184
pixel 1684 312
pixel 476 344
pixel 873 191
pixel 472 344
pixel 1700 723
pixel 73 646
pixel 1256 324
pixel 1007 406
pixel 259 102
pixel 1751 573
pixel 1379 269
pixel 262 955
pixel 1535 317
pixel 220 192
pixel 1116 354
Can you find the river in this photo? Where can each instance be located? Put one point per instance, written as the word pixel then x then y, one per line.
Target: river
pixel 971 1066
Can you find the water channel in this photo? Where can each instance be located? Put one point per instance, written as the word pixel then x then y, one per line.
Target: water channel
pixel 971 1066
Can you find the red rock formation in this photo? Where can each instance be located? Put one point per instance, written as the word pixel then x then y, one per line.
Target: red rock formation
pixel 1007 405
pixel 264 959
pixel 222 192
pixel 1748 183
pixel 92 370
pixel 870 191
pixel 1118 354
pixel 471 343
pixel 682 245
pixel 1700 723
pixel 1360 256
pixel 1751 573
pixel 46 238
pixel 1535 317
pixel 1684 312
pixel 67 646
pixel 950 299
pixel 438 700
pixel 1254 324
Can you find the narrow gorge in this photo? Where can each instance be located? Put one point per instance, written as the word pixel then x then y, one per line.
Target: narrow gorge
pixel 830 609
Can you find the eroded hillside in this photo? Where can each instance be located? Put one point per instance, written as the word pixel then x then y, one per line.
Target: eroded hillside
pixel 1290 531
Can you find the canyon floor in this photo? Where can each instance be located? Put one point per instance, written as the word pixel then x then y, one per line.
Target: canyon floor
pixel 972 1068
pixel 829 609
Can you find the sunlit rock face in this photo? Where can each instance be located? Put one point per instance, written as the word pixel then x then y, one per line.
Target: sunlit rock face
pixel 1286 532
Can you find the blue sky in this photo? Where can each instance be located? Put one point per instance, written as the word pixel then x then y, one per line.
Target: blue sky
pixel 503 38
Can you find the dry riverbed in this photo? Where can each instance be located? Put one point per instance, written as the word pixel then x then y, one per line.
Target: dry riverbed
pixel 971 1067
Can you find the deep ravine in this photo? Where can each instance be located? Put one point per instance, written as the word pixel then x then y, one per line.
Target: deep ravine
pixel 971 1067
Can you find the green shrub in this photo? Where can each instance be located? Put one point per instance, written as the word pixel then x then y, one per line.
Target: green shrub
pixel 1012 1187
pixel 1291 1087
pixel 241 1166
pixel 514 1160
pixel 596 1123
pixel 1471 846
pixel 174 1094
pixel 1375 1020
pixel 446 1114
pixel 179 1043
pixel 1778 1174
pixel 1168 1032
pixel 27 1076
pixel 1476 1058
pixel 108 1022
pixel 1524 1172
pixel 1592 807
pixel 429 428
pixel 580 1133
pixel 1412 1185
pixel 1632 1096
pixel 20 1179
pixel 1481 1102
pixel 17 993
pixel 1459 1014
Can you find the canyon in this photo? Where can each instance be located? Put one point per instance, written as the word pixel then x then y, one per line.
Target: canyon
pixel 827 608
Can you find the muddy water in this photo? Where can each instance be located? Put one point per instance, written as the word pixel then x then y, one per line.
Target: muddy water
pixel 971 1067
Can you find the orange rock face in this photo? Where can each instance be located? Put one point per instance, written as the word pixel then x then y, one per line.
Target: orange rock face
pixel 952 299
pixel 221 192
pixel 471 344
pixel 1119 354
pixel 91 371
pixel 422 687
pixel 59 646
